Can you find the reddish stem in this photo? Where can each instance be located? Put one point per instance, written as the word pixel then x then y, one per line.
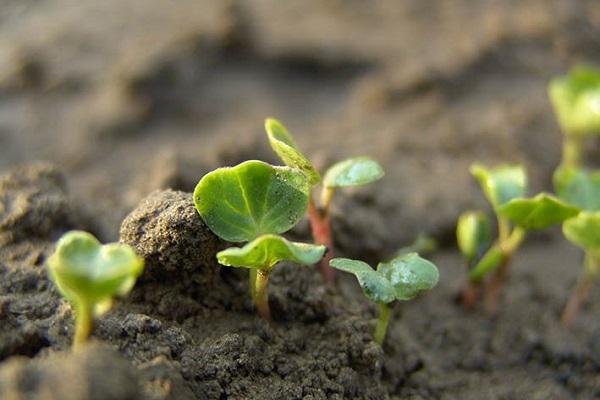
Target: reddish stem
pixel 320 225
pixel 576 300
pixel 469 294
pixel 493 287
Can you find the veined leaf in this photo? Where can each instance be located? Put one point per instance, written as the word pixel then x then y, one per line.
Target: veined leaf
pixel 584 230
pixel 576 100
pixel 353 172
pixel 251 199
pixel 538 212
pixel 83 269
pixel 501 184
pixel 473 234
pixel 284 145
pixel 409 275
pixel 268 250
pixel 579 187
pixel 374 285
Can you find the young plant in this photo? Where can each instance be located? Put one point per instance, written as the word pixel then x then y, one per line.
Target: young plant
pixel 403 278
pixel 89 274
pixel 505 188
pixel 576 101
pixel 350 172
pixel 255 202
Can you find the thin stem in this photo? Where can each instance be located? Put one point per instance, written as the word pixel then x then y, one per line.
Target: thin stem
pixel 261 298
pixel 382 323
pixel 320 225
pixel 571 151
pixel 83 324
pixel 581 291
pixel 470 293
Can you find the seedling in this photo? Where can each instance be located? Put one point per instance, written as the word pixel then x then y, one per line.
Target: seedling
pixel 255 202
pixel 403 278
pixel 89 275
pixel 576 101
pixel 350 172
pixel 505 188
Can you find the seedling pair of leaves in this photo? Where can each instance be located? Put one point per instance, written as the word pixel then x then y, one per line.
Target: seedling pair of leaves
pixel 89 275
pixel 402 278
pixel 505 188
pixel 350 172
pixel 255 202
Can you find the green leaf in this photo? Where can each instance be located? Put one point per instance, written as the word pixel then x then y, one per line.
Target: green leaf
pixel 374 285
pixel 473 234
pixel 85 270
pixel 409 275
pixel 268 250
pixel 584 230
pixel 538 212
pixel 501 184
pixel 353 172
pixel 251 199
pixel 284 145
pixel 579 187
pixel 576 100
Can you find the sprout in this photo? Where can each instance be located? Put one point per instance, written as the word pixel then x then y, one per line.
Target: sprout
pixel 576 101
pixel 255 202
pixel 505 188
pixel 403 278
pixel 351 172
pixel 89 274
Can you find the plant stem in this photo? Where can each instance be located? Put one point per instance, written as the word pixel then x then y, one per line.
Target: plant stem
pixel 507 248
pixel 320 225
pixel 83 324
pixel 470 293
pixel 261 296
pixel 382 323
pixel 571 151
pixel 581 291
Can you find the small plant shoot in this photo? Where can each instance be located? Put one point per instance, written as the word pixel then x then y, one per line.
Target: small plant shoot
pixel 351 172
pixel 505 188
pixel 402 278
pixel 89 275
pixel 255 202
pixel 576 101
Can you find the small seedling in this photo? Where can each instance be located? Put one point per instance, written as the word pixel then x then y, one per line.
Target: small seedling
pixel 89 274
pixel 255 202
pixel 505 188
pixel 576 101
pixel 350 172
pixel 403 278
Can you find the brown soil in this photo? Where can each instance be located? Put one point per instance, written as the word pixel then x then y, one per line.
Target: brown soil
pixel 151 96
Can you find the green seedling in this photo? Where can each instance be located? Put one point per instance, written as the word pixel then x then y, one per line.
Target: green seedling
pixel 505 188
pixel 89 275
pixel 576 101
pixel 255 202
pixel 403 278
pixel 351 172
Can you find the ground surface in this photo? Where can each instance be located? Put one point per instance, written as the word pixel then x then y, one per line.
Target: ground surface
pixel 125 98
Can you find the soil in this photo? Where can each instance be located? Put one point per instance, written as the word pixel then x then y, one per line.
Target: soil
pixel 129 110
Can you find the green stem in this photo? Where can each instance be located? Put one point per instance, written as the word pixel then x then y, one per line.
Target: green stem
pixel 83 324
pixel 581 291
pixel 261 298
pixel 571 151
pixel 382 323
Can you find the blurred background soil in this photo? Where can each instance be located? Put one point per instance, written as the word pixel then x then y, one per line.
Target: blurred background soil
pixel 130 96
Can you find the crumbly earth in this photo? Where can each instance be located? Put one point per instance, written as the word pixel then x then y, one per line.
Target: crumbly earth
pixel 153 95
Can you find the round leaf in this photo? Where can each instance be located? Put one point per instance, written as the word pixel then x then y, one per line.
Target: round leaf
pixel 374 285
pixel 578 187
pixel 251 199
pixel 409 275
pixel 576 100
pixel 501 184
pixel 85 270
pixel 584 230
pixel 473 234
pixel 538 212
pixel 284 145
pixel 353 172
pixel 268 250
